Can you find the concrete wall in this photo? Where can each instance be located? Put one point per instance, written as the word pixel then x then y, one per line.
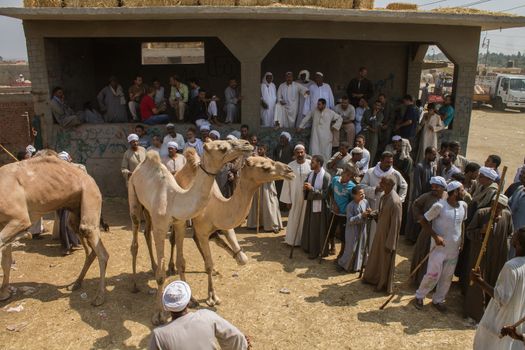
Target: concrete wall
pixel 15 111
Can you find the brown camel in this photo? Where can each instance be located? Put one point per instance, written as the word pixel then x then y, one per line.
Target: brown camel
pixel 153 188
pixel 31 188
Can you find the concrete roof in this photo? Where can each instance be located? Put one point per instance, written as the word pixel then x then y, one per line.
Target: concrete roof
pixel 485 21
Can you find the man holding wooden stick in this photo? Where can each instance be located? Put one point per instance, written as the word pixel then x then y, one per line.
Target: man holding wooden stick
pixel 507 303
pixel 447 217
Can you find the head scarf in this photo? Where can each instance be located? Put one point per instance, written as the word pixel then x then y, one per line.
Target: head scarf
pixel 176 296
pixel 231 137
pixel 438 180
pixel 319 74
pixel 299 146
pixel 454 185
pixel 133 137
pixel 31 149
pixel 170 125
pixel 173 144
pixel 307 75
pixel 356 150
pixel 396 138
pixel 503 200
pixel 64 156
pixel 216 134
pixel 287 135
pixel 264 78
pixel 488 173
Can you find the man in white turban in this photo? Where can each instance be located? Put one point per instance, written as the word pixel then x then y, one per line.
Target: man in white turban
pixel 268 100
pixel 214 135
pixel 202 329
pixel 133 157
pixel 175 161
pixel 319 90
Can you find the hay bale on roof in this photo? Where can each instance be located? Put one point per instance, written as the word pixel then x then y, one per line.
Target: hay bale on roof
pixel 43 3
pixel 91 3
pixel 470 11
pixel 401 6
pixel 217 2
pixel 149 3
pixel 254 2
pixel 299 2
pixel 363 4
pixel 339 4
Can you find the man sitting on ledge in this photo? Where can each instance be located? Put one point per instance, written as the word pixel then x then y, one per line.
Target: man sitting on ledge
pixel 149 111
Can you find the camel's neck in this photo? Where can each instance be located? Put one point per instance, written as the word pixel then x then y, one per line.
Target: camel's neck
pixel 187 205
pixel 239 204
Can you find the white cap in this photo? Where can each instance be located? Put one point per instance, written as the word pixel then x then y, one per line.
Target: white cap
pixel 438 180
pixel 173 144
pixel 216 134
pixel 205 127
pixel 503 200
pixel 176 296
pixel 31 149
pixel 357 150
pixel 319 74
pixel 231 137
pixel 133 137
pixel 299 146
pixel 170 125
pixel 396 138
pixel 287 135
pixel 454 185
pixel 64 156
pixel 488 173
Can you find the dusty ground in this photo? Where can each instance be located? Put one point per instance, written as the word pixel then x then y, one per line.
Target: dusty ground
pixel 324 310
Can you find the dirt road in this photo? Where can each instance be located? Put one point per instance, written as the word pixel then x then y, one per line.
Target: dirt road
pixel 324 310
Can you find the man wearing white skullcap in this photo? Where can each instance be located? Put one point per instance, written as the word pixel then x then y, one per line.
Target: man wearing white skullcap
pixel 214 135
pixel 133 157
pixel 175 161
pixel 444 222
pixel 31 150
pixel 231 137
pixel 292 195
pixel 496 254
pixel 202 329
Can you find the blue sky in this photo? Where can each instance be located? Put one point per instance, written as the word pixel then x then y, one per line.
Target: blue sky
pixel 12 40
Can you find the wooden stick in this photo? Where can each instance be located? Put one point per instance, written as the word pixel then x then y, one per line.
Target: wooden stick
pixel 258 208
pixel 326 239
pixel 490 224
pixel 409 277
pixel 520 321
pixel 367 243
pixel 9 153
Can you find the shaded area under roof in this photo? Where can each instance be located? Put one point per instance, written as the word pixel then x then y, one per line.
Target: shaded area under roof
pixel 484 21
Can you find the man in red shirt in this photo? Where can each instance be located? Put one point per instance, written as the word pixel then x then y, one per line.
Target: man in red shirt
pixel 149 111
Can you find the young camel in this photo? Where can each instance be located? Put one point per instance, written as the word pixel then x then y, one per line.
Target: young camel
pixel 152 188
pixel 224 214
pixel 31 188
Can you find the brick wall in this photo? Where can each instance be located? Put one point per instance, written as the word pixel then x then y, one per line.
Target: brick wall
pixel 15 110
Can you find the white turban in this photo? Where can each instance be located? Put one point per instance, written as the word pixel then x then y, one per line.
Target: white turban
pixel 64 156
pixel 216 134
pixel 264 77
pixel 503 200
pixel 319 74
pixel 231 137
pixel 356 150
pixel 176 296
pixel 488 173
pixel 287 135
pixel 133 137
pixel 299 146
pixel 170 125
pixel 205 127
pixel 173 144
pixel 306 73
pixel 454 185
pixel 31 149
pixel 438 180
pixel 396 138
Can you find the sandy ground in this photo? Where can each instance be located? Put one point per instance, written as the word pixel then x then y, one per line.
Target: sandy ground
pixel 324 310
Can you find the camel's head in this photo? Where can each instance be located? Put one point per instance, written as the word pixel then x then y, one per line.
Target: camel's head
pixel 261 170
pixel 217 153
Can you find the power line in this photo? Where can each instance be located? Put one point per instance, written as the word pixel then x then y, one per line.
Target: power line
pixel 433 2
pixel 514 8
pixel 475 3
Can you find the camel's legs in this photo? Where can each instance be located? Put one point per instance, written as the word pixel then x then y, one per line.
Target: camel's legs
pixel 135 226
pixel 239 255
pixel 90 257
pixel 7 260
pixel 180 262
pixel 160 316
pixel 12 229
pixel 203 243
pixel 147 235
pixel 179 229
pixel 171 265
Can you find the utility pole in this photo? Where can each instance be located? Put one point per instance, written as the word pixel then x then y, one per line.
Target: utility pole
pixel 486 44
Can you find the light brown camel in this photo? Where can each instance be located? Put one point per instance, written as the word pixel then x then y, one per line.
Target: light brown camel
pixel 153 188
pixel 31 188
pixel 224 214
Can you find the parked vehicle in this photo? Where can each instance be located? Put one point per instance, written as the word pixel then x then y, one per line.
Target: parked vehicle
pixel 501 91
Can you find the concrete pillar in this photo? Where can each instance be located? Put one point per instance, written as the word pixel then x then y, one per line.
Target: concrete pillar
pixel 39 85
pixel 416 55
pixel 250 54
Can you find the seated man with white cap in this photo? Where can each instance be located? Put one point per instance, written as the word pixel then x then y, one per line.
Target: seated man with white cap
pixel 133 157
pixel 446 216
pixel 201 329
pixel 175 161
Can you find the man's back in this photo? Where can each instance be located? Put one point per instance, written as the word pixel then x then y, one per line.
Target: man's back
pixel 198 330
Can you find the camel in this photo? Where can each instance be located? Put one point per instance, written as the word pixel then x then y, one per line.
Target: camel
pixel 153 189
pixel 31 188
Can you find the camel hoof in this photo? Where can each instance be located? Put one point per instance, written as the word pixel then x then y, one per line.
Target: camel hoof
pixel 171 271
pixel 99 300
pixel 74 286
pixel 160 317
pixel 213 300
pixel 5 294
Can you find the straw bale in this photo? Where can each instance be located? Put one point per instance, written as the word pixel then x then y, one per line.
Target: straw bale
pixel 256 2
pixel 340 4
pixel 43 3
pixel 363 4
pixel 470 11
pixel 217 2
pixel 91 3
pixel 299 2
pixel 148 3
pixel 401 6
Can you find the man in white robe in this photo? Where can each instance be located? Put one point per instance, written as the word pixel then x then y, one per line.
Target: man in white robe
pixel 288 97
pixel 317 91
pixel 268 100
pixel 304 80
pixel 506 306
pixel 292 194
pixel 373 191
pixel 324 120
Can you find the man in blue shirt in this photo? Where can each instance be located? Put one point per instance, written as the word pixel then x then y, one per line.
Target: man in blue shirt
pixel 447 111
pixel 406 127
pixel 341 195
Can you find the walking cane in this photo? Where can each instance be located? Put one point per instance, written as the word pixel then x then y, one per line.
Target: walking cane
pixel 522 320
pixel 9 153
pixel 293 244
pixel 409 277
pixel 365 257
pixel 326 239
pixel 258 208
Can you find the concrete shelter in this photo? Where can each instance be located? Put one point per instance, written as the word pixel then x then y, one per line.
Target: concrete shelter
pixel 78 48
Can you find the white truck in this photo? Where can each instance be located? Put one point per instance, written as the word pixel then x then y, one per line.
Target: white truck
pixel 501 91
